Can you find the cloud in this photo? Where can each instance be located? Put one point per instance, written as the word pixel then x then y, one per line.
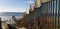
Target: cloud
pixel 30 2
pixel 6 8
pixel 12 10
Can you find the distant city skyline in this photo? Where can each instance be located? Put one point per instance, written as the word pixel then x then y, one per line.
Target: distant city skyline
pixel 15 5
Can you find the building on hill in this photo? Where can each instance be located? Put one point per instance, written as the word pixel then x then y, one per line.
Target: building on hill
pixel 44 13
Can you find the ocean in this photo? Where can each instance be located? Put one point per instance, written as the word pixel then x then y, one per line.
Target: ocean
pixel 11 13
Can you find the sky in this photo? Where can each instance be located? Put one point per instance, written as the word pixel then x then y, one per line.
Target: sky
pixel 15 5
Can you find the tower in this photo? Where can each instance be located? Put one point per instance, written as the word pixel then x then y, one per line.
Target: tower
pixel 27 11
pixel 37 3
pixel 31 7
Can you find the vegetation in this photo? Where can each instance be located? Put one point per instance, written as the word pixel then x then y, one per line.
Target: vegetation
pixel 11 27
